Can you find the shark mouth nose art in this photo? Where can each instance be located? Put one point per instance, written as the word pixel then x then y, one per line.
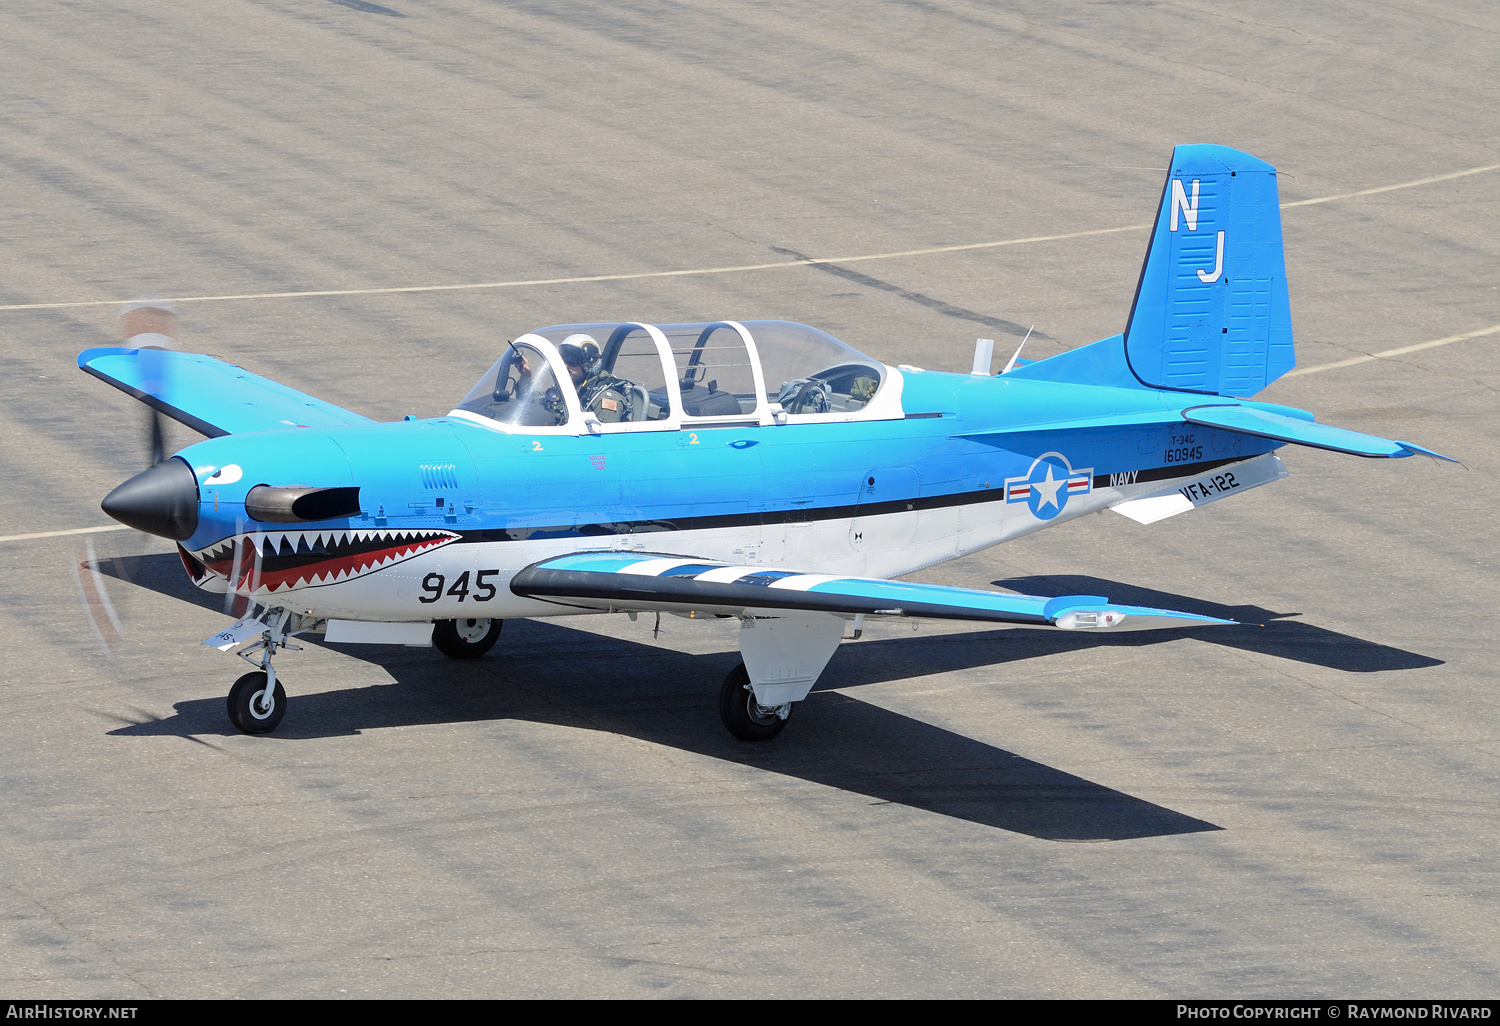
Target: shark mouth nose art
pixel 280 560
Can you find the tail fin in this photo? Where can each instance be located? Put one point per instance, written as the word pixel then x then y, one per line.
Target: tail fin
pixel 1211 313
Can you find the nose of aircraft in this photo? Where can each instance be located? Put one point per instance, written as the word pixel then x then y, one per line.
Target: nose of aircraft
pixel 162 501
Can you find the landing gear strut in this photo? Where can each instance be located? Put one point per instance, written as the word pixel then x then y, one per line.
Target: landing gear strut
pixel 465 639
pixel 745 717
pixel 257 702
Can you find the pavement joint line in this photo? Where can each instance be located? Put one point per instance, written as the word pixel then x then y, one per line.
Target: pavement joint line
pixel 1335 365
pixel 1392 188
pixel 632 276
pixel 1317 368
pixel 1388 353
pixel 59 534
pixel 639 275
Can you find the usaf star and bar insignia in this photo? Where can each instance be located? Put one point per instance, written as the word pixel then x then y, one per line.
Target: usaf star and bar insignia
pixel 1045 488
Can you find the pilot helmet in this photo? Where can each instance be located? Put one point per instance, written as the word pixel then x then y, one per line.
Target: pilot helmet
pixel 579 350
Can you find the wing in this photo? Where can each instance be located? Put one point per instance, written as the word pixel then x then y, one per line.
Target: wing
pixel 208 395
pixel 611 581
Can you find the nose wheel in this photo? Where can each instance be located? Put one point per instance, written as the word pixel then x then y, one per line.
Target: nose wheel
pixel 257 702
pixel 465 639
pixel 255 707
pixel 745 717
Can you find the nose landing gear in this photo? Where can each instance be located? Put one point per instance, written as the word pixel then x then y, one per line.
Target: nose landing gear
pixel 255 705
pixel 257 702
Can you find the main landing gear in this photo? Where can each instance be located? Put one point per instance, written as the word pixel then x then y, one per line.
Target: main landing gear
pixel 465 639
pixel 743 715
pixel 784 655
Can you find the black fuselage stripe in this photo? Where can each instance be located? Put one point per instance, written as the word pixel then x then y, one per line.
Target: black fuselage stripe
pixel 774 518
pixel 1166 473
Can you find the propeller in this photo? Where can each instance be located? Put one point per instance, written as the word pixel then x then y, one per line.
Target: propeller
pixel 151 324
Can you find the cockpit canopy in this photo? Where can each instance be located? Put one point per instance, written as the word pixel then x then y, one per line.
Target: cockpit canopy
pixel 636 374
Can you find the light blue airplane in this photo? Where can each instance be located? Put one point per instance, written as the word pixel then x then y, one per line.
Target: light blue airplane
pixel 760 470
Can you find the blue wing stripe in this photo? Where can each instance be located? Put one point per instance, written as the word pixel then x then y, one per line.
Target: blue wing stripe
pixel 691 569
pixel 899 593
pixel 598 562
pixel 765 578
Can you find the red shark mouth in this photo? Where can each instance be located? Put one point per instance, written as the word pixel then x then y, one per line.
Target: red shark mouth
pixel 278 561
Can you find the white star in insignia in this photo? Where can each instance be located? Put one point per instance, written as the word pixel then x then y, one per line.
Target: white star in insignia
pixel 1048 489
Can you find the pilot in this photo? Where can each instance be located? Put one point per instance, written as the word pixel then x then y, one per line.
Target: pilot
pixel 599 391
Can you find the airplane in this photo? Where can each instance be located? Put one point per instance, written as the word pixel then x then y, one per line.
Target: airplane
pixel 758 470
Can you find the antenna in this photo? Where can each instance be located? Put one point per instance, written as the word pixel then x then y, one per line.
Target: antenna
pixel 1017 353
pixel 984 353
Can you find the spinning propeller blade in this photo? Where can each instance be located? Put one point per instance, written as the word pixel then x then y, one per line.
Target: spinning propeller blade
pixel 151 324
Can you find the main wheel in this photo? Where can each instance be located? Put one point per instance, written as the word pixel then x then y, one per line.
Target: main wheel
pixel 746 718
pixel 465 639
pixel 248 708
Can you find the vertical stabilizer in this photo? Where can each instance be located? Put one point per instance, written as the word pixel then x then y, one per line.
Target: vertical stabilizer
pixel 1211 313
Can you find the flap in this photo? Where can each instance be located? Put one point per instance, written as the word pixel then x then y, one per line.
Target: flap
pixel 208 395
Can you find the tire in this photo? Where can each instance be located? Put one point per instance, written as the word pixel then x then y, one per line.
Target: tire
pixel 741 713
pixel 465 639
pixel 246 713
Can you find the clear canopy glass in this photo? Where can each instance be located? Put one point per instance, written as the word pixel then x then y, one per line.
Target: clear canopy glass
pixel 810 371
pixel 519 389
pixel 719 370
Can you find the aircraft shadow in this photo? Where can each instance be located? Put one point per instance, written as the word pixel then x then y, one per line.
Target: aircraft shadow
pixel 1261 630
pixel 162 573
pixel 553 674
pixel 545 672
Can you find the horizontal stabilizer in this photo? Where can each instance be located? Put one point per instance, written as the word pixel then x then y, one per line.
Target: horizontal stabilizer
pixel 1265 424
pixel 611 581
pixel 210 396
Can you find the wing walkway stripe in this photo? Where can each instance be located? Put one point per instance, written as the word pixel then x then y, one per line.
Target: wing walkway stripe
pixel 639 275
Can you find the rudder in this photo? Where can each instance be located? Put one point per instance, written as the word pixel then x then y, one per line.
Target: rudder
pixel 1211 313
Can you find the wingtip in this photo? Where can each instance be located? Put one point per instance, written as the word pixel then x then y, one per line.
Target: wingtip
pixel 1130 618
pixel 1418 450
